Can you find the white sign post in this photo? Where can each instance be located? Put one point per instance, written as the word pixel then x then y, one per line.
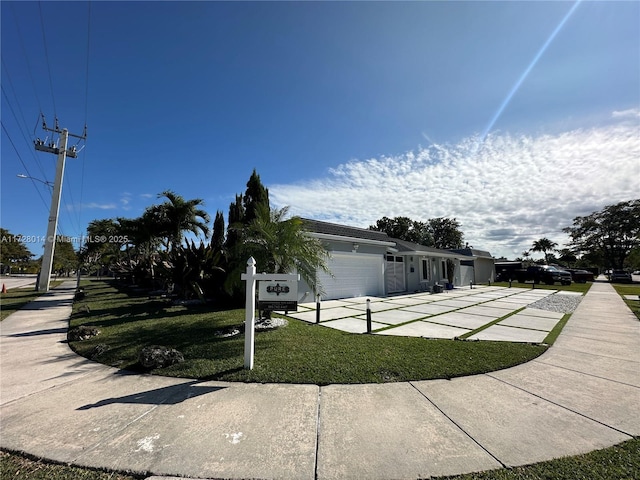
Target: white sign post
pixel 251 277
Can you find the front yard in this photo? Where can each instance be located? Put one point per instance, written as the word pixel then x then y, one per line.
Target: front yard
pixel 297 353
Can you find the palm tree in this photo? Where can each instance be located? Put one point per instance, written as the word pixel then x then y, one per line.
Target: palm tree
pixel 177 215
pixel 282 245
pixel 544 245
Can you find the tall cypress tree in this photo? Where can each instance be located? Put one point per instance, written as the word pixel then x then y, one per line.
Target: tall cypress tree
pixel 217 238
pixel 236 220
pixel 255 195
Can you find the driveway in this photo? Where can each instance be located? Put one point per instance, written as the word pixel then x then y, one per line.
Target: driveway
pixel 481 313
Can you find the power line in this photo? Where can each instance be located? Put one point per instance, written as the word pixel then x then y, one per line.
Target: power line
pixel 46 53
pixel 23 164
pixel 21 130
pixel 86 109
pixel 24 52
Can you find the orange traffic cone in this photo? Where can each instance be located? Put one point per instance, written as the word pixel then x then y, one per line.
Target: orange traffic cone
pixel 4 288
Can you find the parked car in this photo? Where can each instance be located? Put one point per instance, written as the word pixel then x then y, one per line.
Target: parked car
pixel 543 273
pixel 620 276
pixel 580 276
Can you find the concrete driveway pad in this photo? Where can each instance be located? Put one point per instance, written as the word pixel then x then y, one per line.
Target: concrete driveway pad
pixel 461 320
pixel 403 302
pixel 352 325
pixel 485 297
pixel 486 311
pixel 326 314
pixel 525 321
pixel 511 306
pixel 375 307
pixel 457 302
pixel 428 309
pixel 510 334
pixel 425 329
pixel 394 317
pixel 363 300
pixel 515 301
pixel 534 297
pixel 536 312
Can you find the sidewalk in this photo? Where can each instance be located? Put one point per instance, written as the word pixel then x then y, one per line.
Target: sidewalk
pixel 582 394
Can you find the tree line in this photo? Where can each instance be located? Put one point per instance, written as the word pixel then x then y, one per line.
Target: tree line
pixel 151 251
pixel 609 238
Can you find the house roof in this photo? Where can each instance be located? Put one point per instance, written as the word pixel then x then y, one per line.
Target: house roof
pixel 335 231
pixel 410 247
pixel 473 252
pixel 327 228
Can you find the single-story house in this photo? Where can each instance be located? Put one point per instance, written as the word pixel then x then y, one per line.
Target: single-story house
pixel 370 263
pixel 483 265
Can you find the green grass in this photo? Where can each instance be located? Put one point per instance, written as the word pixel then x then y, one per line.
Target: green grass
pixel 620 462
pixel 20 467
pixel 297 353
pixel 555 331
pixel 574 287
pixel 17 298
pixel 634 305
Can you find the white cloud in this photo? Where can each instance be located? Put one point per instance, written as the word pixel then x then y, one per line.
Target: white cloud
pixel 511 191
pixel 629 113
pixel 100 206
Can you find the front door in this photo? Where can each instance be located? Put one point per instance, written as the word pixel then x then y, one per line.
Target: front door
pixel 394 274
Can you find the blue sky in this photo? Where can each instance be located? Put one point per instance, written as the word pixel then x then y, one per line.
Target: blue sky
pixel 513 117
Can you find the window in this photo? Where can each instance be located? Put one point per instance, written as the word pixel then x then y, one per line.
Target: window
pixel 425 269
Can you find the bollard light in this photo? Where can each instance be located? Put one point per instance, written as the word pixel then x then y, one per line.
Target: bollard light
pixel 318 308
pixel 368 315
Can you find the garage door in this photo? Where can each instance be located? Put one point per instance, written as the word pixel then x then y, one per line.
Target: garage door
pixel 354 275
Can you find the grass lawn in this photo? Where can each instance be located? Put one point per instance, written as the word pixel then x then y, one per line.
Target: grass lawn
pixel 297 353
pixel 620 462
pixel 634 305
pixel 17 298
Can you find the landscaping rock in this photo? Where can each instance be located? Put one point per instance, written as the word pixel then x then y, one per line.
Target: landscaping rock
pixel 227 332
pixel 82 332
pixel 158 356
pixel 270 323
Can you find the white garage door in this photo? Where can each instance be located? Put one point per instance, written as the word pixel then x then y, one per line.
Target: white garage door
pixel 354 275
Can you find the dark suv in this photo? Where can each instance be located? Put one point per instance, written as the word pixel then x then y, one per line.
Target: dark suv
pixel 620 276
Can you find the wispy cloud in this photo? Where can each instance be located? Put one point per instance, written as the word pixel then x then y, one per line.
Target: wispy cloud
pixel 512 191
pixel 100 206
pixel 629 113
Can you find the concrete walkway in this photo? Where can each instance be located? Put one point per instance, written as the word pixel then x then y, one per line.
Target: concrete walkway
pixel 583 394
